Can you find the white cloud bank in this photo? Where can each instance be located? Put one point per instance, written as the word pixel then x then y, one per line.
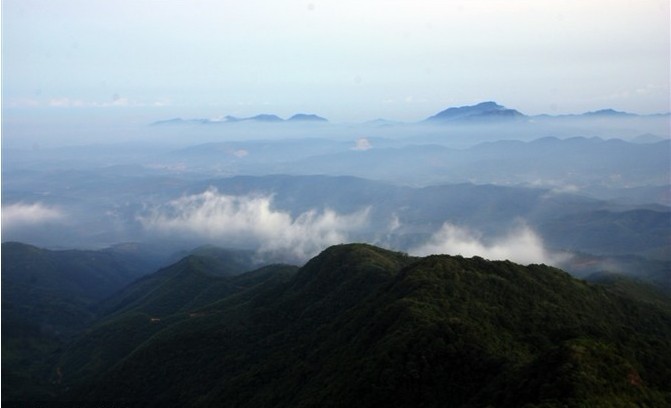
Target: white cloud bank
pixel 23 215
pixel 251 220
pixel 522 245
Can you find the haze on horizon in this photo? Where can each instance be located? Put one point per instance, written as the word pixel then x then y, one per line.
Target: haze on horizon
pixel 345 60
pixel 83 166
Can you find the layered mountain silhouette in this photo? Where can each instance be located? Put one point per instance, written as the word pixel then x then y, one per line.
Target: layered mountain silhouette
pixel 363 326
pixel 609 113
pixel 264 117
pixel 303 117
pixel 48 288
pixel 261 118
pixel 48 297
pixel 484 111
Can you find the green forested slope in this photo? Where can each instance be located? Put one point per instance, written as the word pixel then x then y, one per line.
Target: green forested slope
pixel 49 296
pixel 362 326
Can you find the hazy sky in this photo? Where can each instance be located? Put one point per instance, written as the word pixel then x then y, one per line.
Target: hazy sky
pixel 347 60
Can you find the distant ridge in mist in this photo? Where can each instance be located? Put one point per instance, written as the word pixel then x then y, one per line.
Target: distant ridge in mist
pixel 304 117
pixel 262 118
pixel 483 112
pixel 608 113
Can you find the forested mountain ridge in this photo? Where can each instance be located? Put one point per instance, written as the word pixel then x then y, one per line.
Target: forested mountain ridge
pixel 49 296
pixel 362 326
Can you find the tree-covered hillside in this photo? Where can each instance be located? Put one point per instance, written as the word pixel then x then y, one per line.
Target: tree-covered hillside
pixel 49 296
pixel 363 326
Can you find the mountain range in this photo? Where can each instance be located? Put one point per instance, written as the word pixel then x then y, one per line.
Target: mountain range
pixel 110 206
pixel 262 118
pixel 359 326
pixel 48 297
pixel 483 112
pixel 270 313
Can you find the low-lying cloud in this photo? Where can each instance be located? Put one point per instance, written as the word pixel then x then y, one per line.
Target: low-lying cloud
pixel 252 221
pixel 362 144
pixel 21 215
pixel 521 245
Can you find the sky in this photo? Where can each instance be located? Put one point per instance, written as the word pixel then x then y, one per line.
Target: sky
pixel 347 60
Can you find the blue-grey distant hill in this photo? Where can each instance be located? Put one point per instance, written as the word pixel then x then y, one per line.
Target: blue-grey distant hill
pixel 261 118
pixel 481 113
pixel 485 111
pixel 608 113
pixel 304 117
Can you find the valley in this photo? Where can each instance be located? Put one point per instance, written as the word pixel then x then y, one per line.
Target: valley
pixel 507 272
pixel 376 203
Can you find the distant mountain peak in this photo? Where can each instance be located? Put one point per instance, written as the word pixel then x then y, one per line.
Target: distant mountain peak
pixel 305 117
pixel 263 117
pixel 608 112
pixel 490 105
pixel 483 111
pixel 266 117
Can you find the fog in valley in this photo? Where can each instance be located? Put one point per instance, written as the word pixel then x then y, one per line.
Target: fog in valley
pixel 531 189
pixel 349 203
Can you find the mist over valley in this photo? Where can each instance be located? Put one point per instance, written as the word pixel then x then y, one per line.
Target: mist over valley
pixel 291 192
pixel 336 204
